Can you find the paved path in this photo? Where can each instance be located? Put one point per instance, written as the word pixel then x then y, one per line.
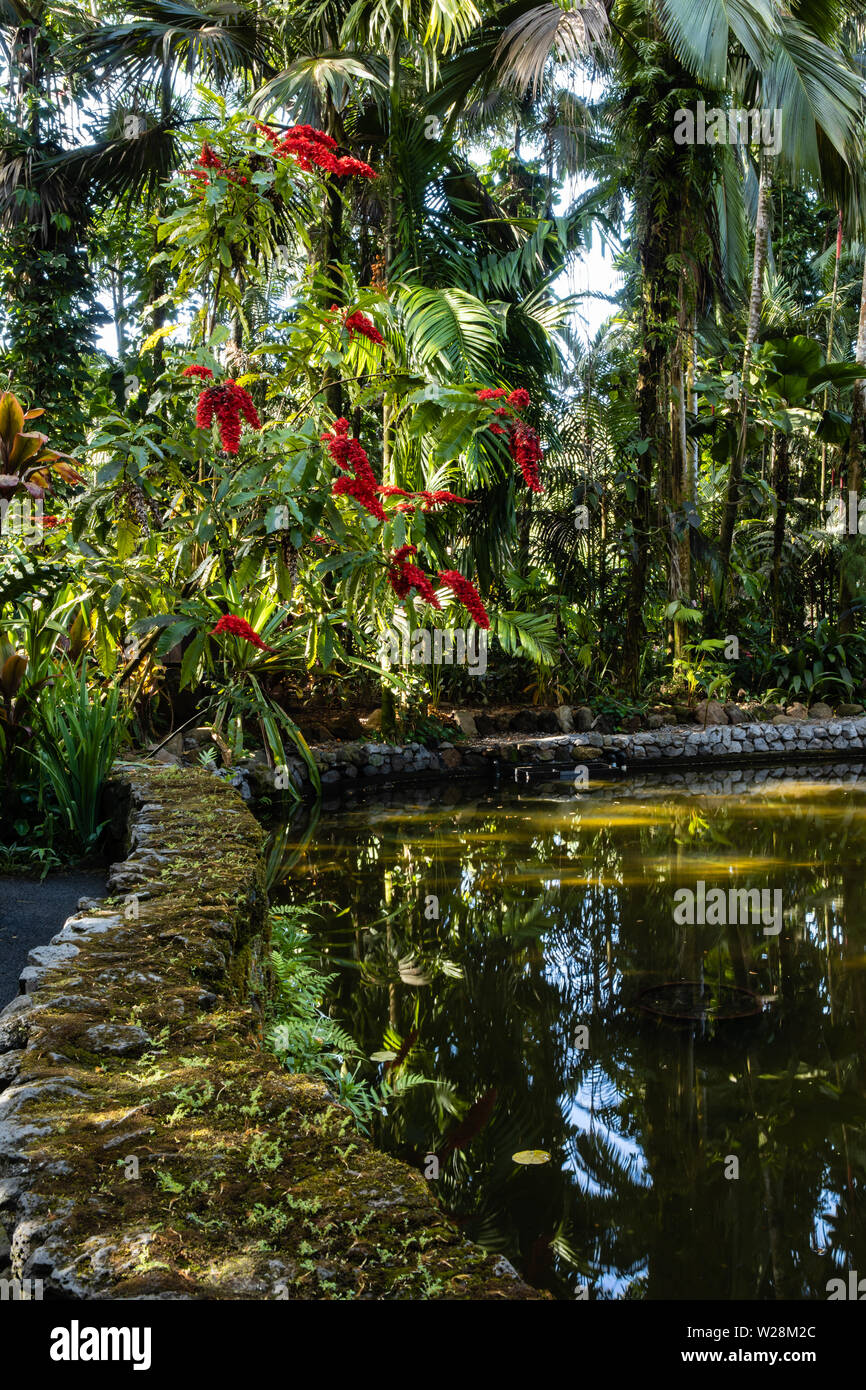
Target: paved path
pixel 31 912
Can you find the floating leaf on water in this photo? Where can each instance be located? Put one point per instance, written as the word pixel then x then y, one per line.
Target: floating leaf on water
pixel 531 1156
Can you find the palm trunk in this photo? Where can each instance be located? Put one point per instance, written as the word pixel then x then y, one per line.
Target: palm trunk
pixel 856 445
pixel 655 309
pixel 830 329
pixel 679 574
pixel 762 242
pixel 781 486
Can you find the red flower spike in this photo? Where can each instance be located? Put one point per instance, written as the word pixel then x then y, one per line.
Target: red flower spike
pixel 490 393
pixel 312 148
pixel 403 575
pixel 360 323
pixel 358 479
pixel 442 499
pixel 519 399
pixel 196 370
pixel 239 627
pixel 227 403
pixel 526 451
pixel 467 594
pixel 209 160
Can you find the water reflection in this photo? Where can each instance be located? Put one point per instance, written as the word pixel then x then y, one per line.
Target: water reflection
pixel 505 939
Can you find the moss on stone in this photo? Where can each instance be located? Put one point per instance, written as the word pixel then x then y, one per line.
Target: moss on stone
pixel 200 1169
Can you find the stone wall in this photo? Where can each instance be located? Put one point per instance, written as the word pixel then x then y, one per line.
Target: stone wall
pixel 149 1147
pixel 359 764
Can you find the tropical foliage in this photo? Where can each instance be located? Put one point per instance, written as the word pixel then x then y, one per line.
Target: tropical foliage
pixel 295 290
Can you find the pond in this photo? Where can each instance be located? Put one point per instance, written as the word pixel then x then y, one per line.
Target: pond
pixel 682 1077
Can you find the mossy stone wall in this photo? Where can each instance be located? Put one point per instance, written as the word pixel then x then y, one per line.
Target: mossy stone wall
pixel 149 1146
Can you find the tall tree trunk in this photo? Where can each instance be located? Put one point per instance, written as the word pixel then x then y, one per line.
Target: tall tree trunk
pixel 830 328
pixel 679 572
pixel 655 311
pixel 753 328
pixel 856 447
pixel 781 487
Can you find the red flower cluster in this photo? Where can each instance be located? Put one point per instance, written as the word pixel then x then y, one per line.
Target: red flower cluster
pixel 429 499
pixel 196 370
pixel 360 323
pixel 441 499
pixel 525 449
pixel 523 442
pixel 350 455
pixel 239 627
pixel 208 161
pixel 403 575
pixel 313 148
pixel 228 402
pixel 467 594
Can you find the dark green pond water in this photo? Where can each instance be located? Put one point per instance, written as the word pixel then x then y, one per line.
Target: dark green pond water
pixel 531 946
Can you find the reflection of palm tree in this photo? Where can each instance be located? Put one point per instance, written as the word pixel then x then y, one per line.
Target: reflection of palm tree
pixel 557 916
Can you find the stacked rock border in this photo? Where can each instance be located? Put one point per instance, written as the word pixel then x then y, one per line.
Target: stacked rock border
pixel 150 1148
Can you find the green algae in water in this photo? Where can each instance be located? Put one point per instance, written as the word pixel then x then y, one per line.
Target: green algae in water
pixel 501 943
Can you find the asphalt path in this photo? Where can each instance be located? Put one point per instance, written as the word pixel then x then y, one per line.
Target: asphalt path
pixel 31 912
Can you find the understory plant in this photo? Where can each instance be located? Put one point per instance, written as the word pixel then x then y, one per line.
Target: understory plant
pixel 79 734
pixel 306 1039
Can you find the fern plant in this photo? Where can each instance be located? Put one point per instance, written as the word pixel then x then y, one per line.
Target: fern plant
pixel 306 1039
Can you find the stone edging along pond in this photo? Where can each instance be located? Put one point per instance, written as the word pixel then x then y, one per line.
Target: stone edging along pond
pixel 354 764
pixel 149 1147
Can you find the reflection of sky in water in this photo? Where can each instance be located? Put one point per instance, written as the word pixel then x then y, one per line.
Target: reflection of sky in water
pixel 583 1115
pixel 600 883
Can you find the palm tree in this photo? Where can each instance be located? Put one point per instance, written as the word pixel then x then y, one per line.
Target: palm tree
pixel 655 54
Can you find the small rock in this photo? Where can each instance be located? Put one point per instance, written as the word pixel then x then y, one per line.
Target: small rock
pixel 202 737
pixel 849 711
pixel 655 721
pixel 735 714
pixel 465 723
pixel 710 712
pixel 820 711
pixel 117 1039
pixel 174 746
pixel 797 711
pixel 565 718
pixel 583 718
